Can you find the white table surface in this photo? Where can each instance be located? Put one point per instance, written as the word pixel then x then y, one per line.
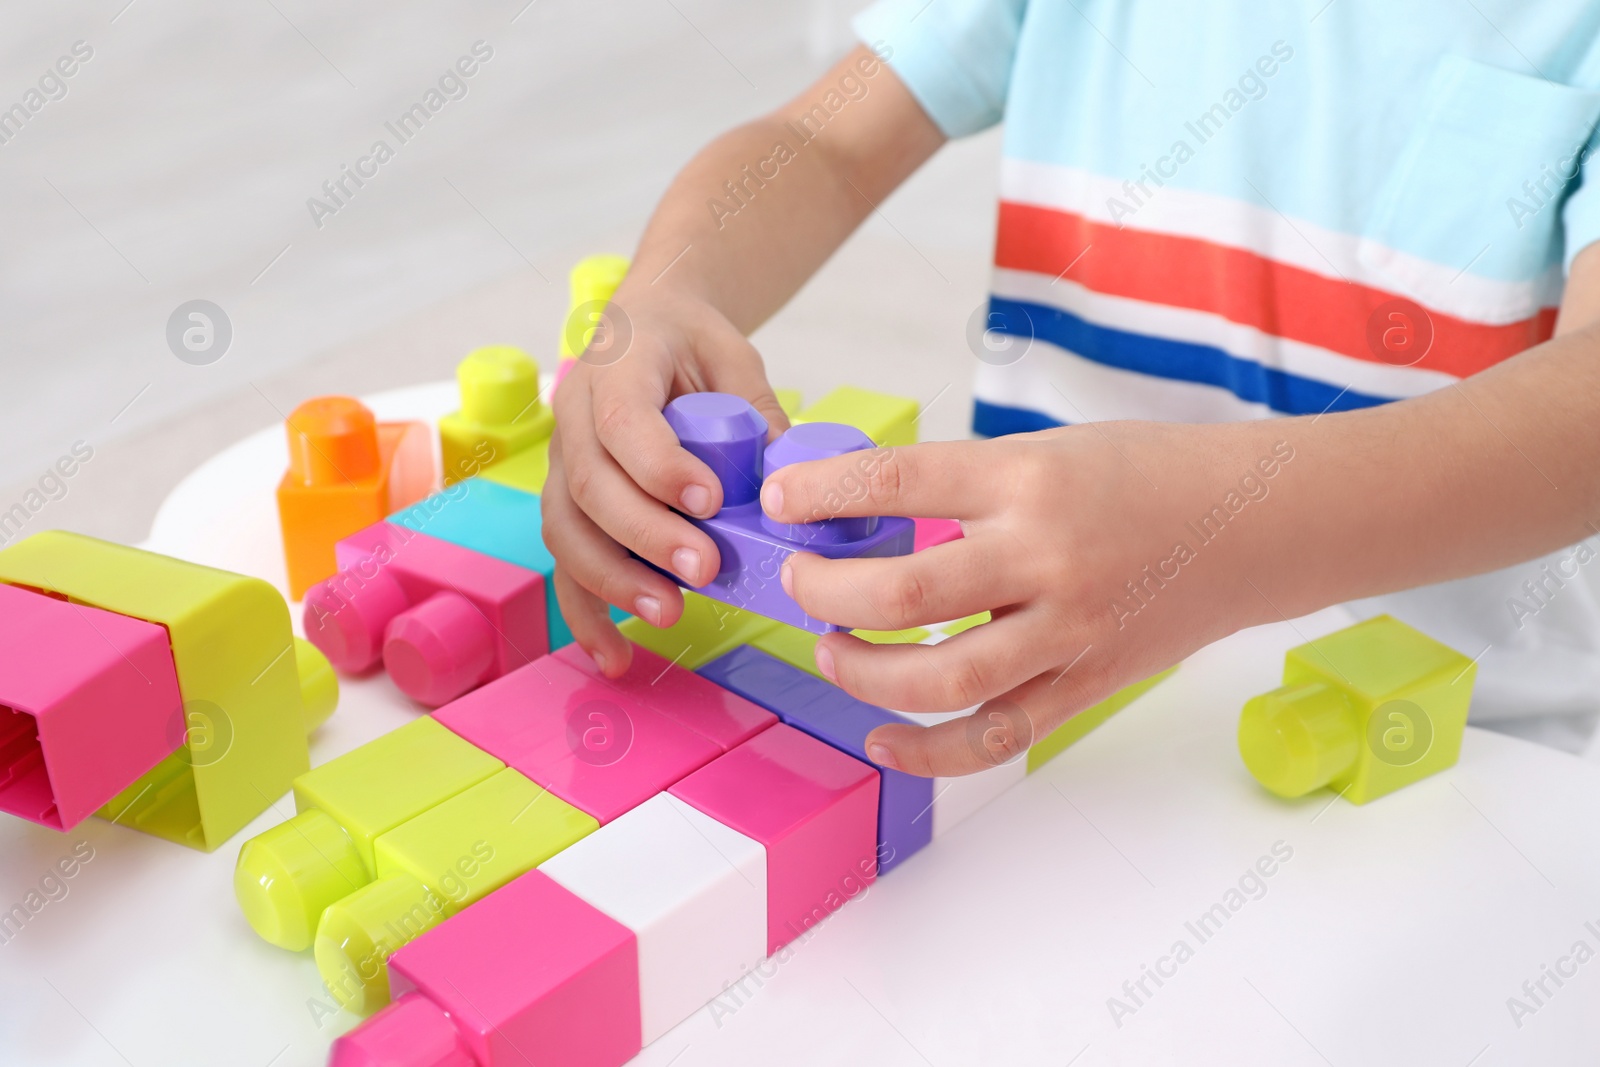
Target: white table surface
pixel 1394 934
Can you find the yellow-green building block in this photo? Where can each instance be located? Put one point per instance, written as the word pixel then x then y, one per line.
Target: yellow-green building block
pixel 790 400
pixel 501 414
pixel 707 629
pixel 433 866
pixel 888 420
pixel 797 648
pixel 238 671
pixel 526 470
pixel 961 625
pixel 1076 728
pixel 1363 711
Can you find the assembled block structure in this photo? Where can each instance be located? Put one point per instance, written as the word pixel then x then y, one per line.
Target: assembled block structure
pixel 163 695
pixel 346 471
pixel 1364 711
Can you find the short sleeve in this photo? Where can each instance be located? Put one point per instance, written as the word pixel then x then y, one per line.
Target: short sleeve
pixel 1581 215
pixel 954 55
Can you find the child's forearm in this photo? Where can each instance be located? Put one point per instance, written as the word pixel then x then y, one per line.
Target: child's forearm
pixel 760 208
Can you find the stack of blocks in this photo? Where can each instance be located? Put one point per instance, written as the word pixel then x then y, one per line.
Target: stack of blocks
pixel 161 694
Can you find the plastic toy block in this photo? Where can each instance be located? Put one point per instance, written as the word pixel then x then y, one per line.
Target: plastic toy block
pixel 590 286
pixel 888 420
pixel 1076 728
pixel 831 715
pixel 431 868
pixel 531 974
pixel 288 875
pixel 88 702
pixel 346 471
pixel 950 629
pixel 813 808
pixel 584 741
pixel 239 669
pixel 790 401
pixel 526 470
pixel 729 436
pixel 930 532
pixel 726 719
pixel 798 648
pixel 444 619
pixel 501 412
pixel 1364 711
pixel 694 893
pixel 497 521
pixel 707 629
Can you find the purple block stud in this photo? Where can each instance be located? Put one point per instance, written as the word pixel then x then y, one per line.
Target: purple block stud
pixel 729 435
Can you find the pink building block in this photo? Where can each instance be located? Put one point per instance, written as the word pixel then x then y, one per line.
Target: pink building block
pixel 930 532
pixel 531 974
pixel 681 695
pixel 89 701
pixel 812 807
pixel 444 619
pixel 588 743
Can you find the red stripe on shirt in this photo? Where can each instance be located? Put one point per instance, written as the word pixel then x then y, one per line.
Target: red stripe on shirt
pixel 1243 287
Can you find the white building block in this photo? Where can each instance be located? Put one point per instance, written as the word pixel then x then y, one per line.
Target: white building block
pixel 693 891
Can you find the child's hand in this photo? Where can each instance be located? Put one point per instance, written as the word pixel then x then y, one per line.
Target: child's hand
pixel 616 467
pixel 1056 524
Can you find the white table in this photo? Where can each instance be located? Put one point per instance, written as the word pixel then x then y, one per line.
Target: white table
pixel 1394 934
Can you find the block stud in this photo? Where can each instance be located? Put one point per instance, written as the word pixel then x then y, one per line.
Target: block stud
pixel 1298 738
pixel 333 440
pixel 809 441
pixel 726 434
pixel 438 649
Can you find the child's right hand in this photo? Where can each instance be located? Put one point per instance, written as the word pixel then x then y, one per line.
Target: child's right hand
pixel 617 470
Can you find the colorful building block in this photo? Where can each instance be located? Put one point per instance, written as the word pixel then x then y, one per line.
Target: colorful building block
pixel 813 808
pixel 798 648
pixel 888 420
pixel 693 891
pixel 930 532
pixel 346 471
pixel 288 875
pixel 532 974
pixel 730 437
pixel 444 619
pixel 1364 711
pixel 526 470
pixel 829 714
pixel 1076 728
pixel 590 286
pixel 583 740
pixel 251 690
pixel 790 401
pixel 501 415
pixel 433 866
pixel 89 701
pixel 706 629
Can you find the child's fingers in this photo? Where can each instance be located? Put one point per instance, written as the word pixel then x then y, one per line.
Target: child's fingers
pixel 945 479
pixel 971 667
pixel 994 734
pixel 600 566
pixel 633 431
pixel 949 581
pixel 591 625
pixel 633 518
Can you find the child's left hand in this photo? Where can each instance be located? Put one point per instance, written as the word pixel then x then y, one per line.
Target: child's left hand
pixel 1055 525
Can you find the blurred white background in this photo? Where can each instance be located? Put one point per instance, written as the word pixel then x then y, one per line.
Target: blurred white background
pixel 178 164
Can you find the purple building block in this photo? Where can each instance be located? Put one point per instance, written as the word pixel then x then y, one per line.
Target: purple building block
pixel 834 717
pixel 728 435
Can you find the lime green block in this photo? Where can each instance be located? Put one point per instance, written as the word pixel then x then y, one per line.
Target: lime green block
pixel 1364 711
pixel 1074 729
pixel 433 866
pixel 707 629
pixel 960 625
pixel 790 401
pixel 501 413
pixel 238 671
pixel 525 470
pixel 888 420
pixel 798 648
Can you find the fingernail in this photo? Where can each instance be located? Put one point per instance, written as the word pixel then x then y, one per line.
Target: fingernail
pixel 772 498
pixel 648 608
pixel 686 563
pixel 599 660
pixel 787 578
pixel 825 664
pixel 696 500
pixel 881 755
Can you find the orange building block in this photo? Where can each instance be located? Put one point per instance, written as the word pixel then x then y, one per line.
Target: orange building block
pixel 346 472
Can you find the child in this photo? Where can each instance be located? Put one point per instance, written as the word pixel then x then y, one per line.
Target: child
pixel 1358 218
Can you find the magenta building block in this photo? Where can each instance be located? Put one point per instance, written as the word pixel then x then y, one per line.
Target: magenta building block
pixel 444 619
pixel 730 436
pixel 587 742
pixel 930 532
pixel 812 807
pixel 681 695
pixel 529 975
pixel 829 714
pixel 89 701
